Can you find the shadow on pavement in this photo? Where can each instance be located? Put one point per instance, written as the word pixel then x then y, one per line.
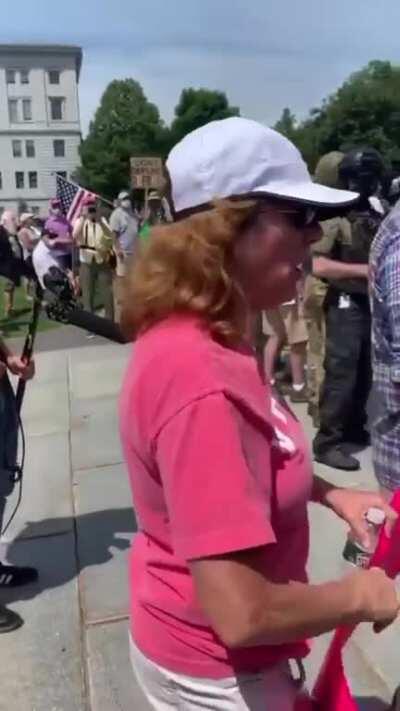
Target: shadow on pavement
pixel 97 534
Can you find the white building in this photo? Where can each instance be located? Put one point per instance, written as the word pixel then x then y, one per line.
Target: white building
pixel 40 129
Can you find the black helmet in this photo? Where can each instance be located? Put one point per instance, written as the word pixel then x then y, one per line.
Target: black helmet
pixel 362 162
pixel 362 170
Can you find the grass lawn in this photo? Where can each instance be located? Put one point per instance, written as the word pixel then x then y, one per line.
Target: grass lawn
pixel 17 324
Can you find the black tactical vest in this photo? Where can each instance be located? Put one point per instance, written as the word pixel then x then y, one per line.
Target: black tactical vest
pixel 354 246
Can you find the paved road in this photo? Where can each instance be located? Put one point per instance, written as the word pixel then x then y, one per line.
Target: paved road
pixel 59 339
pixel 76 523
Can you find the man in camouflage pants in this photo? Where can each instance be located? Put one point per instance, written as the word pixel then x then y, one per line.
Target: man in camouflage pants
pixel 315 292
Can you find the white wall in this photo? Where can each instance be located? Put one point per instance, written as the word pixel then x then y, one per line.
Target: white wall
pixel 41 128
pixel 44 163
pixel 39 90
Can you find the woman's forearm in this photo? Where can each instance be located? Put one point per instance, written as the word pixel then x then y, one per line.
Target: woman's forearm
pixel 297 611
pixel 247 610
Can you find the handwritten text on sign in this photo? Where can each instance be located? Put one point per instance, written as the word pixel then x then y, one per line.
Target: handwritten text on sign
pixel 146 172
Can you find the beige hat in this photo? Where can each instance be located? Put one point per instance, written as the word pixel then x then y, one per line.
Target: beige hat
pixel 25 216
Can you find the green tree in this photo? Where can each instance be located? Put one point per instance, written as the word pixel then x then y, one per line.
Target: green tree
pixel 287 125
pixel 364 111
pixel 125 124
pixel 195 108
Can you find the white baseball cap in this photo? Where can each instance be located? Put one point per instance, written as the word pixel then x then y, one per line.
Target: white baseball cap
pixel 239 157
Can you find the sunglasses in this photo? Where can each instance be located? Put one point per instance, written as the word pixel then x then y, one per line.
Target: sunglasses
pixel 301 218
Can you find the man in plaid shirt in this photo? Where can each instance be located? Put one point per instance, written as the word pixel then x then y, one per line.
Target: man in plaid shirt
pixel 385 303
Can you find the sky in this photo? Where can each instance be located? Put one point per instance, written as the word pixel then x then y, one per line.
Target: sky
pixel 266 54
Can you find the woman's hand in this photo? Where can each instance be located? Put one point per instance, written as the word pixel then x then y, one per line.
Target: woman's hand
pixel 352 506
pixel 18 367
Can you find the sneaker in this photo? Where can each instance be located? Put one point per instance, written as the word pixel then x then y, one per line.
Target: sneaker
pixel 9 620
pixel 298 395
pixel 90 335
pixel 337 459
pixel 12 576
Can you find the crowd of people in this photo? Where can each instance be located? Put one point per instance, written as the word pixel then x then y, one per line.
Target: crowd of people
pixel 220 470
pixel 94 254
pixel 93 250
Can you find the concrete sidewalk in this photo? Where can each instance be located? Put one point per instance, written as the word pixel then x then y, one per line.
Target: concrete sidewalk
pixel 75 524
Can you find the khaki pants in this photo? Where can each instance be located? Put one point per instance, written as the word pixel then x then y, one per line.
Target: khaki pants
pixel 93 276
pixel 270 690
pixel 314 297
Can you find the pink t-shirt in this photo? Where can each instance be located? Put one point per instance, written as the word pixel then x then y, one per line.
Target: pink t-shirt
pixel 216 465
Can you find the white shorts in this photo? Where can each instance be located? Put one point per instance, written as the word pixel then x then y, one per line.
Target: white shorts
pixel 271 690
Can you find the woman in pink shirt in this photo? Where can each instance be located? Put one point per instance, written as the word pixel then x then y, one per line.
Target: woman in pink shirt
pixel 220 471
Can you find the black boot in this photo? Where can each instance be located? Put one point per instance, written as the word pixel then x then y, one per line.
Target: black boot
pixel 337 459
pixel 13 576
pixel 9 620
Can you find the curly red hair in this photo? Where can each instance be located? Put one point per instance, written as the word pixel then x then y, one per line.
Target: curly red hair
pixel 187 267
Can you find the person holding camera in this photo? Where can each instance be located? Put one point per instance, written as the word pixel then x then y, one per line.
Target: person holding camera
pixel 11 576
pixel 96 258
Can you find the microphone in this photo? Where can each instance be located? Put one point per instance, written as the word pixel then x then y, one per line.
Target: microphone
pixel 95 324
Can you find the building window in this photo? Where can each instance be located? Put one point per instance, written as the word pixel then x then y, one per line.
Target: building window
pixel 24 76
pixel 13 110
pixel 33 180
pixel 56 108
pixel 59 148
pixel 62 174
pixel 26 109
pixel 19 180
pixel 17 149
pixel 30 149
pixel 54 76
pixel 10 76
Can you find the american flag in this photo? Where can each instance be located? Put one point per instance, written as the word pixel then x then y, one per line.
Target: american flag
pixel 71 197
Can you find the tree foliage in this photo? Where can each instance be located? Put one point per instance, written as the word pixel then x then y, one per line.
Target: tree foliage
pixel 287 124
pixel 364 111
pixel 125 124
pixel 196 107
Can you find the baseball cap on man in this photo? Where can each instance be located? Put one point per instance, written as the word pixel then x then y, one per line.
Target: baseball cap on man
pixel 26 216
pixel 239 157
pixel 124 195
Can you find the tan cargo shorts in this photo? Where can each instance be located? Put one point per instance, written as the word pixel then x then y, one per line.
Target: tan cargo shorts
pixel 287 322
